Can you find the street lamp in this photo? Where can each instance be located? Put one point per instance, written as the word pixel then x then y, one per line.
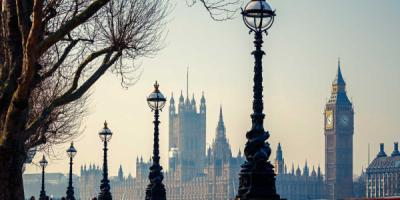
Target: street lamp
pixel 71 151
pixel 256 177
pixel 105 136
pixel 156 190
pixel 43 163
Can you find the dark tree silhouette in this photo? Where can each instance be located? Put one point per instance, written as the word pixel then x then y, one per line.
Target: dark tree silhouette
pixel 53 51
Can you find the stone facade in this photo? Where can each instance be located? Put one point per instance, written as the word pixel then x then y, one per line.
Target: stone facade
pixel 339 128
pixel 297 185
pixel 383 174
pixel 211 176
pixel 187 137
pixel 90 181
pixel 55 184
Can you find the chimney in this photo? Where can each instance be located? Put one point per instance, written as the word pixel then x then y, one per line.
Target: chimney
pixel 382 151
pixel 396 150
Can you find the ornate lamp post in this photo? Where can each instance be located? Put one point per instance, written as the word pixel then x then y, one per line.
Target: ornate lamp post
pixel 257 178
pixel 156 190
pixel 43 163
pixel 71 151
pixel 105 136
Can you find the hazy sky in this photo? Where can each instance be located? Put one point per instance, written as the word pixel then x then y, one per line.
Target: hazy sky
pixel 300 64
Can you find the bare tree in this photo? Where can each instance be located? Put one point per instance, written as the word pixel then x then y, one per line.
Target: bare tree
pixel 219 10
pixel 51 53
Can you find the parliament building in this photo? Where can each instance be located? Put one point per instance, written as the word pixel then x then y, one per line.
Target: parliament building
pixel 194 172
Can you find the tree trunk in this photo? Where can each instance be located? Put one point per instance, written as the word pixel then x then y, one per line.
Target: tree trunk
pixel 12 159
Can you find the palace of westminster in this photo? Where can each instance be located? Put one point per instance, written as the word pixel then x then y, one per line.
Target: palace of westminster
pixel 199 173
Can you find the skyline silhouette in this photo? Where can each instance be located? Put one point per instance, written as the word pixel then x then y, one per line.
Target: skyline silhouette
pixel 299 67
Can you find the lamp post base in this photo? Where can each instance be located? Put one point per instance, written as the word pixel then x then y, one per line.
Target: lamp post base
pixel 257 183
pixel 106 196
pixel 156 189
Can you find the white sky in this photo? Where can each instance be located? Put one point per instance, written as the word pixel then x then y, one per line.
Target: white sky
pixel 299 66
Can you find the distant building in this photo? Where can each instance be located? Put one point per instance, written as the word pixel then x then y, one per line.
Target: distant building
pixel 297 185
pixel 383 174
pixel 213 175
pixel 90 181
pixel 55 184
pixel 359 185
pixel 187 137
pixel 339 129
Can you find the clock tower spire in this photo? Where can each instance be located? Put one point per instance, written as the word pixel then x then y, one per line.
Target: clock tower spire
pixel 339 129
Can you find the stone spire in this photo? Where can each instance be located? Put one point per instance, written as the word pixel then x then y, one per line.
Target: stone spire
pixel 298 171
pixel 172 109
pixel 172 100
pixel 338 94
pixel 181 105
pixel 202 104
pixel 339 77
pixel 313 173
pixel 319 171
pixel 221 147
pixel 120 173
pixel 187 101
pixel 181 99
pixel 306 170
pixel 193 102
pixel 221 125
pixel 279 154
pixel 203 99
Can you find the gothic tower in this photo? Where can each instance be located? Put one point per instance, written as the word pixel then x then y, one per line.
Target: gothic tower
pixel 339 128
pixel 279 161
pixel 221 148
pixel 187 136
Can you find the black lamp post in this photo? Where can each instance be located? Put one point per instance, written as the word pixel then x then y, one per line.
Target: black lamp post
pixel 257 177
pixel 43 163
pixel 105 136
pixel 71 151
pixel 156 190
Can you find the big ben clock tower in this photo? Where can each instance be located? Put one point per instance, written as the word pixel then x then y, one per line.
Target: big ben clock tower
pixel 339 129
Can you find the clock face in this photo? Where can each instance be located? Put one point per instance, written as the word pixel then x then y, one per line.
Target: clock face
pixel 344 120
pixel 329 119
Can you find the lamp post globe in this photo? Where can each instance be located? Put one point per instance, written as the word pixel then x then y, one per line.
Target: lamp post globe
pixel 105 135
pixel 156 99
pixel 155 189
pixel 257 177
pixel 43 163
pixel 258 15
pixel 71 152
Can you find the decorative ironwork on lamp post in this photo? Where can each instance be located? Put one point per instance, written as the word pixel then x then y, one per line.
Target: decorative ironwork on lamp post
pixel 105 136
pixel 156 189
pixel 71 151
pixel 257 177
pixel 43 163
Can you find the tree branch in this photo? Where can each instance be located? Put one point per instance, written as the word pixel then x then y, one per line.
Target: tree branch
pixel 70 97
pixel 60 60
pixel 70 25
